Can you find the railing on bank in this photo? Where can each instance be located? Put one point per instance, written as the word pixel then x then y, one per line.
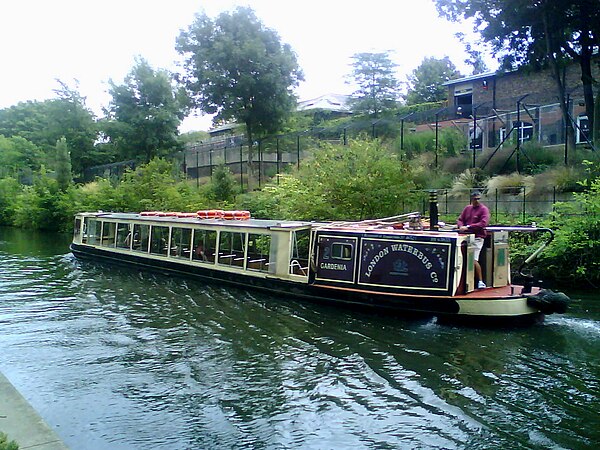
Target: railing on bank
pixel 507 201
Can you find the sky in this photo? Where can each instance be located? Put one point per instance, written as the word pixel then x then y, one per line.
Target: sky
pixel 92 41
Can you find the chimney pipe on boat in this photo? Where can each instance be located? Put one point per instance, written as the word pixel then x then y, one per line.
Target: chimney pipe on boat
pixel 433 210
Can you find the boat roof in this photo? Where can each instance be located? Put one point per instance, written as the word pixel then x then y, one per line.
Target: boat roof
pixel 390 225
pixel 174 220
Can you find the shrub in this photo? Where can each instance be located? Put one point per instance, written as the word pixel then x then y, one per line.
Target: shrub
pixel 5 444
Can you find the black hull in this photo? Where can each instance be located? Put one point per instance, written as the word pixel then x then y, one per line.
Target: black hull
pixel 444 308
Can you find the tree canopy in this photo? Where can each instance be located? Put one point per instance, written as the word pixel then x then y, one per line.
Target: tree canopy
pixel 144 114
pixel 238 69
pixel 426 81
pixel 536 33
pixel 378 88
pixel 43 123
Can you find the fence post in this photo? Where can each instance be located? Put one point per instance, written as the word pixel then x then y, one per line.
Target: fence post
pixel 278 161
pixel 210 162
pixel 496 205
pixel 298 151
pixel 242 167
pixel 524 192
pixel 197 171
pixel 259 162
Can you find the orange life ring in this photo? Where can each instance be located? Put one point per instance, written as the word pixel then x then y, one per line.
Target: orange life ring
pixel 241 215
pixel 215 214
pixel 202 214
pixel 228 215
pixel 183 215
pixel 171 214
pixel 148 213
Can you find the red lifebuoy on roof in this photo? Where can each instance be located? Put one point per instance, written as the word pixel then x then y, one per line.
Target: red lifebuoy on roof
pixel 241 215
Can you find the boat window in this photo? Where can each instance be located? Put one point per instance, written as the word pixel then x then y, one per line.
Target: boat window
pixel 141 233
pixel 231 248
pixel 123 235
pixel 341 251
pixel 181 242
pixel 159 237
pixel 108 234
pixel 77 230
pixel 91 231
pixel 205 246
pixel 259 246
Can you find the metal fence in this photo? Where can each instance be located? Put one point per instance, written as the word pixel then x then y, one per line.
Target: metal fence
pixel 515 201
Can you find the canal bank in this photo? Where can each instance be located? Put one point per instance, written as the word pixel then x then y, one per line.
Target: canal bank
pixel 22 423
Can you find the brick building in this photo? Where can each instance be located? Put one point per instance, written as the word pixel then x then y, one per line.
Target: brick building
pixel 489 106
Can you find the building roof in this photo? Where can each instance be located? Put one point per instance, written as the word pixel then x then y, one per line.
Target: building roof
pixel 469 78
pixel 329 102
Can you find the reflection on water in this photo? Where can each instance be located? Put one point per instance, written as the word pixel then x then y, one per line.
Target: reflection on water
pixel 120 359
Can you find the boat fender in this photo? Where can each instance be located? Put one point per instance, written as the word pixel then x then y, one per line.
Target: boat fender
pixel 548 301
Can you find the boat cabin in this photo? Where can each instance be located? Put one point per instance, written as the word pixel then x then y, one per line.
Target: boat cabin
pixel 255 247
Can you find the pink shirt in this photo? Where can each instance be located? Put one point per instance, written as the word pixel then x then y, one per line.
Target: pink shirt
pixel 476 218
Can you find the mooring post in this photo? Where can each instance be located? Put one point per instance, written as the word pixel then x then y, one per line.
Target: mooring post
pixel 433 210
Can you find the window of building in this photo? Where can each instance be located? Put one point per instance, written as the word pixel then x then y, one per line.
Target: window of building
pixel 583 129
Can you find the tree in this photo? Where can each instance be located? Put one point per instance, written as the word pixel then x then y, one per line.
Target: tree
pixel 43 123
pixel 238 69
pixel 378 87
pixel 425 82
pixel 63 165
pixel 18 154
pixel 144 114
pixel 544 32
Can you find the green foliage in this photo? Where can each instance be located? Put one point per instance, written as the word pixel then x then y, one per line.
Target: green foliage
pixel 238 69
pixel 378 88
pixel 193 137
pixel 425 82
pixel 144 114
pixel 5 444
pixel 36 207
pixel 154 187
pixel 17 154
pixel 535 34
pixel 223 187
pixel 63 165
pixel 9 190
pixel 43 123
pixel 574 256
pixel 358 181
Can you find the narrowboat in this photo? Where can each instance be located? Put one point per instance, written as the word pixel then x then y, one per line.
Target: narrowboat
pixel 399 264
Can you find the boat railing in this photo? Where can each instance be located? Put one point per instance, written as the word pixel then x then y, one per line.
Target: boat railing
pixel 296 267
pixel 527 229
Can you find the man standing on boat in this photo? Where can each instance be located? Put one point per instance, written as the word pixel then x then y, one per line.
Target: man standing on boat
pixel 473 219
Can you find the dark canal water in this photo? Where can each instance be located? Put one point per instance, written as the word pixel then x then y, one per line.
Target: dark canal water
pixel 119 359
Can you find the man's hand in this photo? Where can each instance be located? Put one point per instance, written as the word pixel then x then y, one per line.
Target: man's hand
pixel 464 228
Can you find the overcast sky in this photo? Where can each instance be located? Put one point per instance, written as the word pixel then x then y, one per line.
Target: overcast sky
pixel 97 40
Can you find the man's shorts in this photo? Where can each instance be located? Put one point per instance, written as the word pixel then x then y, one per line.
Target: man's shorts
pixel 478 247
